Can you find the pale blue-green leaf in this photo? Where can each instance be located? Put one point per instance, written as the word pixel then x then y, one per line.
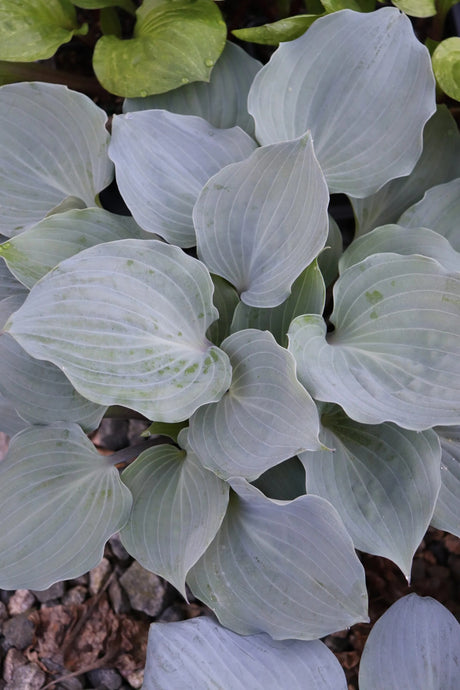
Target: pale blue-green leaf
pixel 383 481
pixel 288 569
pixel 53 144
pixel 393 355
pixel 401 240
pixel 38 390
pixel 439 209
pixel 260 222
pixel 265 417
pixel 34 252
pixel 9 286
pixel 308 295
pixel 126 322
pixel 439 163
pixel 178 506
pixel 283 482
pixel 10 422
pixel 447 511
pixel 328 260
pixel 222 101
pixel 200 653
pixel 162 161
pixel 225 300
pixel 355 120
pixel 59 503
pixel 415 644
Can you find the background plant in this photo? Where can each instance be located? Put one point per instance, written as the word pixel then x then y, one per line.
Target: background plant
pixel 206 312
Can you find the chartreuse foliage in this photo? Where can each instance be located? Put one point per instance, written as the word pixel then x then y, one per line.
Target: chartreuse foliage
pixel 300 431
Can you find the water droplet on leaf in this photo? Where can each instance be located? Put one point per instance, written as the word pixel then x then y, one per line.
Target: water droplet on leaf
pixel 143 93
pixel 209 63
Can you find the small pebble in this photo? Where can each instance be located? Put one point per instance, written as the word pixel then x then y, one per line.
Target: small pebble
pixel 54 592
pixel 118 549
pixel 106 677
pixel 18 632
pixel 98 576
pixel 75 595
pixel 20 602
pixel 28 677
pixel 146 591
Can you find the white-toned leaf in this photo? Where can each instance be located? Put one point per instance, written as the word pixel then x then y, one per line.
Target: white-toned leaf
pixel 265 417
pixel 394 353
pixel 439 162
pixel 447 511
pixel 439 209
pixel 308 295
pixel 200 653
pixel 383 481
pixel 126 322
pixel 9 286
pixel 59 503
pixel 162 161
pixel 288 569
pixel 53 145
pixel 10 422
pixel 39 391
pixel 401 240
pixel 178 506
pixel 261 222
pixel 414 644
pixel 222 101
pixel 36 251
pixel 355 120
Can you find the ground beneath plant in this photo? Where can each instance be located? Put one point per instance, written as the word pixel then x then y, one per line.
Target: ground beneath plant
pixel 91 632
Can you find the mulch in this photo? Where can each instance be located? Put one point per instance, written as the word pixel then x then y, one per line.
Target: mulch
pixel 91 632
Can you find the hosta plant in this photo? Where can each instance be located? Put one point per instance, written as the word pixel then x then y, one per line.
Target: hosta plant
pixel 301 428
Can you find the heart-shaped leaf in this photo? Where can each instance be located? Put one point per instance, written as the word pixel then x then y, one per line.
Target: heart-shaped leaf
pixel 178 508
pixel 355 120
pixel 265 417
pixel 137 312
pixel 393 355
pixel 413 645
pixel 55 523
pixel 288 569
pixel 163 160
pixel 222 101
pixel 54 146
pixel 260 222
pixel 446 66
pixel 174 43
pixel 383 481
pixel 202 654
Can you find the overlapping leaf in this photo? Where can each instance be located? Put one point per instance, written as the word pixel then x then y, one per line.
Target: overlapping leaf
pixel 439 163
pixel 355 120
pixel 265 417
pixel 394 353
pixel 10 422
pixel 286 569
pixel 307 296
pixel 59 503
pixel 383 481
pixel 54 146
pixel 439 209
pixel 36 251
pixel 34 29
pixel 400 240
pixel 126 322
pixel 259 223
pixel 162 161
pixel 222 101
pixel 202 654
pixel 413 645
pixel 447 511
pixel 178 508
pixel 174 43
